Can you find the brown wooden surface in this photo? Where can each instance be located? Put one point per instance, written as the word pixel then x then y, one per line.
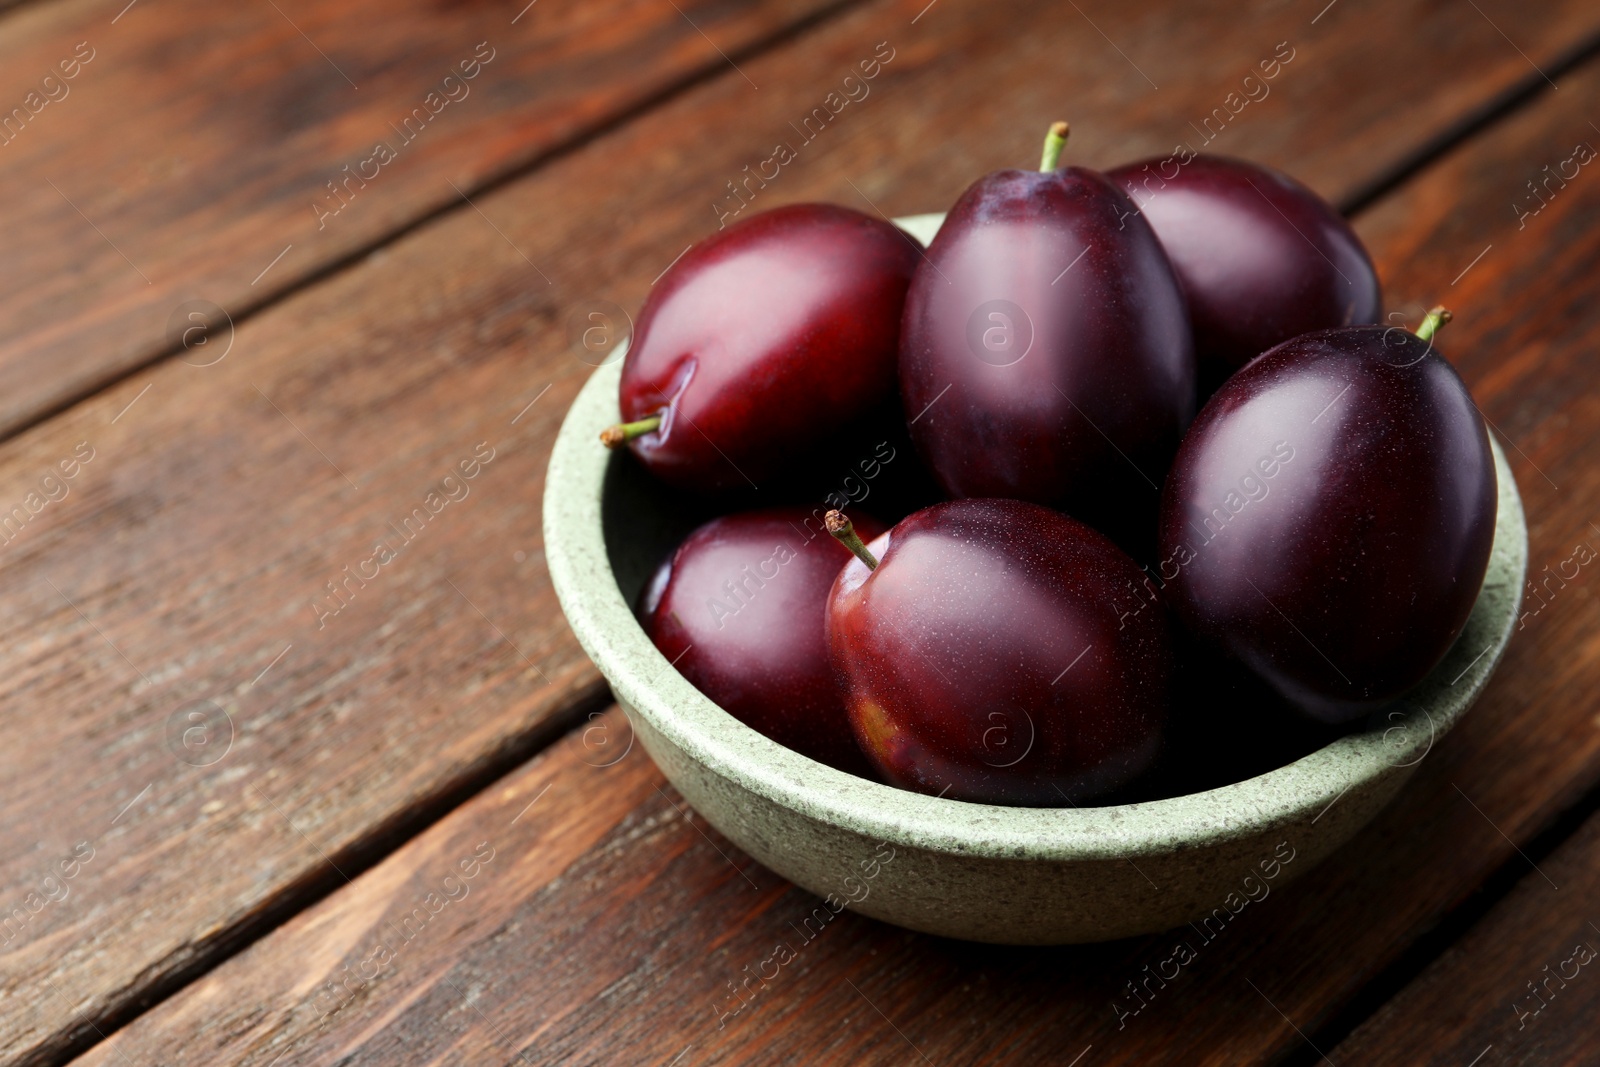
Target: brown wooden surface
pixel 189 152
pixel 195 538
pixel 1519 988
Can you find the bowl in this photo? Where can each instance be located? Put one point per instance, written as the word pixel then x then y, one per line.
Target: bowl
pixel 978 872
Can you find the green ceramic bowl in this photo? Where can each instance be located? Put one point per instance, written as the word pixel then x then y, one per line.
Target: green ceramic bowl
pixel 976 871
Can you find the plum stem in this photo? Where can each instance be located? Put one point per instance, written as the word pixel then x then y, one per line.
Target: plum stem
pixel 1436 318
pixel 842 529
pixel 1054 142
pixel 623 432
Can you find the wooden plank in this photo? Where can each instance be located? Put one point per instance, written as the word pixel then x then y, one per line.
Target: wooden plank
pixel 1518 988
pixel 186 557
pixel 200 157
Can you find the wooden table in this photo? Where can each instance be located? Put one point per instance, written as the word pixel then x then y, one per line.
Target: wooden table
pixel 247 822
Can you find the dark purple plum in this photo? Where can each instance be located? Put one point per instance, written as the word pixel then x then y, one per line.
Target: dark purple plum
pixel 1260 257
pixel 738 607
pixel 1045 353
pixel 762 342
pixel 1329 517
pixel 1000 652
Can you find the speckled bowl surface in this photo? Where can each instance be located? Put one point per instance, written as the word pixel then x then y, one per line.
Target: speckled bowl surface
pixel 976 871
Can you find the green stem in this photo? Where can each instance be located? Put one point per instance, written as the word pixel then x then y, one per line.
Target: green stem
pixel 1436 318
pixel 1054 142
pixel 841 528
pixel 620 434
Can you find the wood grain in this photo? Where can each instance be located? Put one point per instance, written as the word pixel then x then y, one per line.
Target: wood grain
pixel 1519 988
pixel 601 879
pixel 187 556
pixel 202 142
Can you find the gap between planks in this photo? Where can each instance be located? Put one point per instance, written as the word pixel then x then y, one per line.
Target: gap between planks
pixel 1474 906
pixel 1508 103
pixel 344 866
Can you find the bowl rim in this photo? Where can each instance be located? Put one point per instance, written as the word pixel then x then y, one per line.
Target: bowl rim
pixel 642 679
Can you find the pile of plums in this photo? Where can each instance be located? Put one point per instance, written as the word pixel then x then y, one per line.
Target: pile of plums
pixel 1097 590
